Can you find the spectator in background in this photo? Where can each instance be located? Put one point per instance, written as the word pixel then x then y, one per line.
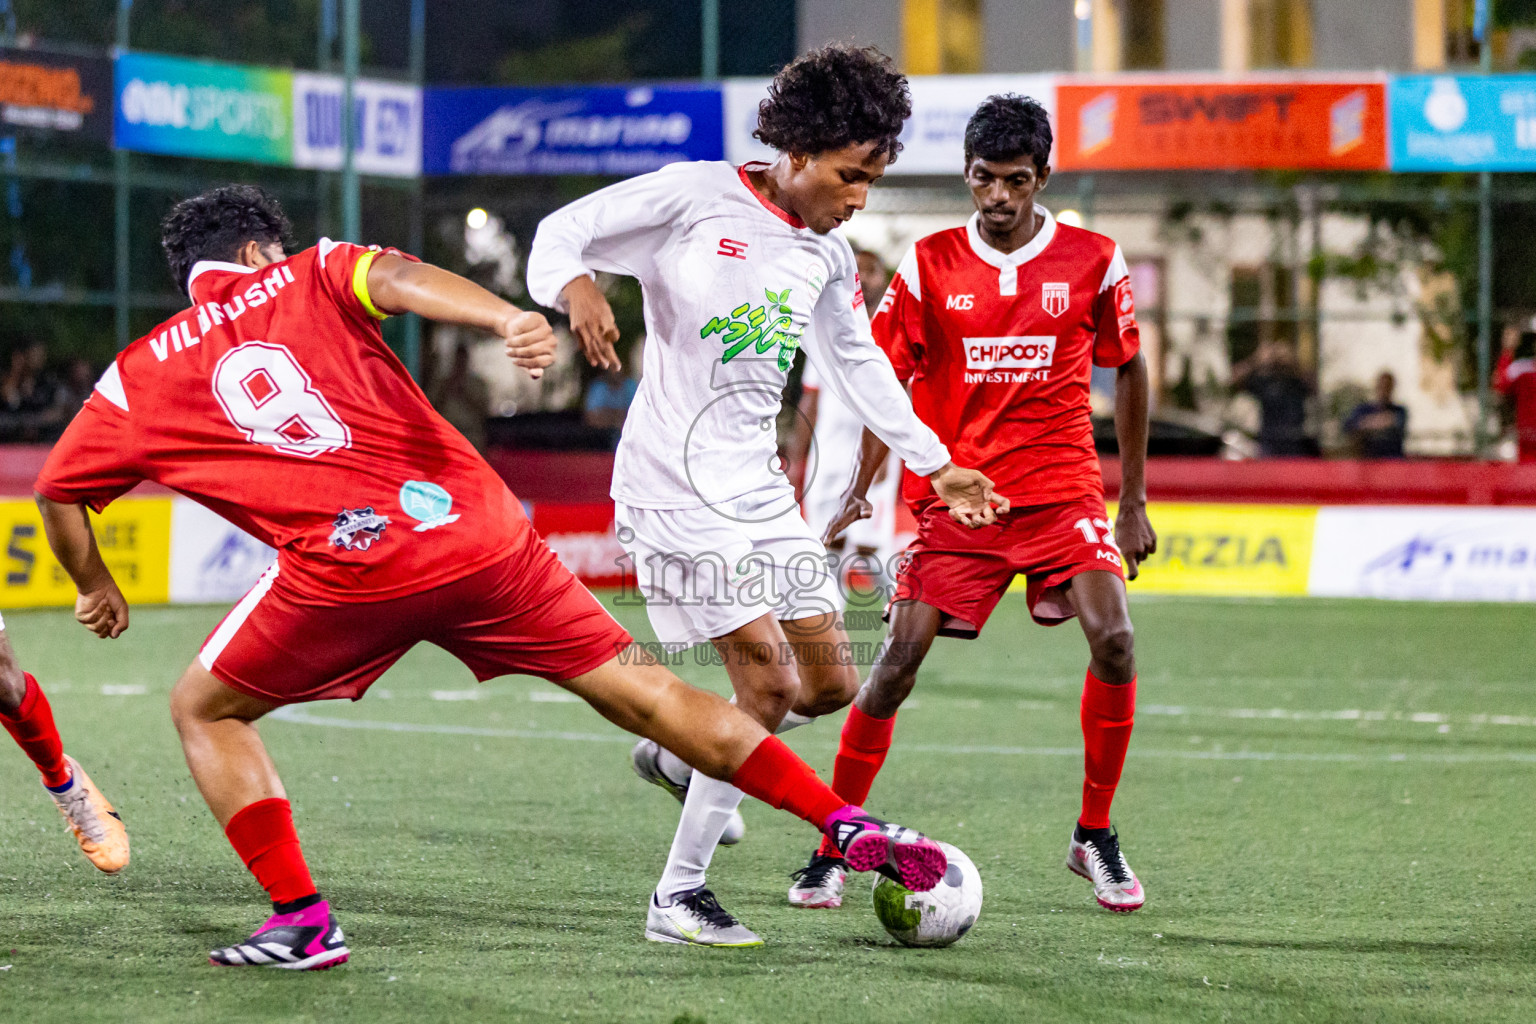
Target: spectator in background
pixel 607 401
pixel 463 399
pixel 79 382
pixel 1516 379
pixel 1377 428
pixel 1273 377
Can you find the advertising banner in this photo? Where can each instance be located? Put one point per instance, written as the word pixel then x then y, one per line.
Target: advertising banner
pixel 1467 122
pixel 53 93
pixel 581 536
pixel 1428 554
pixel 933 141
pixel 211 560
pixel 195 108
pixel 1215 125
pixel 134 535
pixel 386 125
pixel 613 130
pixel 1250 550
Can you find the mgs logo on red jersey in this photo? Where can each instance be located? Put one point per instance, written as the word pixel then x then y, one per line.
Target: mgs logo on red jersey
pixel 1125 305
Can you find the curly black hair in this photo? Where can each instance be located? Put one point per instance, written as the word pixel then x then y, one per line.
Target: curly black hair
pixel 833 97
pixel 1006 127
pixel 214 225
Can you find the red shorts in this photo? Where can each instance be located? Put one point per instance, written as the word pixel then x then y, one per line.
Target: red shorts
pixel 964 572
pixel 525 614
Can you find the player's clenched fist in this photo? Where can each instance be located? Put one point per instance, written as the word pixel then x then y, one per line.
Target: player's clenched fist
pixel 592 322
pixel 103 612
pixel 969 495
pixel 530 341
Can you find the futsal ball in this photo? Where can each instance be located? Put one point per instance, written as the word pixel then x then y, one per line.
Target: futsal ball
pixel 938 917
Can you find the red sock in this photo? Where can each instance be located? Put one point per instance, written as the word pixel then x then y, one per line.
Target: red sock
pixel 775 775
pixel 860 753
pixel 33 730
pixel 262 834
pixel 1108 713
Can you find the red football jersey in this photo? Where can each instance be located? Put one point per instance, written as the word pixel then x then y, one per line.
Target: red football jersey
pixel 275 402
pixel 999 348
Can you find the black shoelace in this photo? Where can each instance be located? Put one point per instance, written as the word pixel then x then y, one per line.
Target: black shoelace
pixel 814 875
pixel 1109 853
pixel 707 907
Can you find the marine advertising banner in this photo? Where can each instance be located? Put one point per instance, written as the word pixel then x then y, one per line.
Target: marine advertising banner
pixel 1464 122
pixel 1425 553
pixel 182 107
pixel 56 94
pixel 1155 124
pixel 617 130
pixel 933 141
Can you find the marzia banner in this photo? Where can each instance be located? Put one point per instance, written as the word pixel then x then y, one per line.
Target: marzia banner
pixel 579 130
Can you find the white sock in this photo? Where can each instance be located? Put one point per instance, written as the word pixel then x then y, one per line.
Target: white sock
pixel 676 769
pixel 705 814
pixel 792 721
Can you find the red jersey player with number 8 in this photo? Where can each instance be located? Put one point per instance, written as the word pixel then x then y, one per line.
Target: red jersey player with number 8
pixel 274 401
pixel 996 326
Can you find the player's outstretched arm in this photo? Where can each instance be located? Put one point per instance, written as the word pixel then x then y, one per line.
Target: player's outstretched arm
pixel 100 606
pixel 1133 530
pixel 401 286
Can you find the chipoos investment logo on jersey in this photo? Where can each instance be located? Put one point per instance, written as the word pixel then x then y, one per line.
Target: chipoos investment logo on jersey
pixel 992 360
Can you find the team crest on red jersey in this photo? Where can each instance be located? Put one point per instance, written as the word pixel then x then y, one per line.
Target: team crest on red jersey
pixel 1055 296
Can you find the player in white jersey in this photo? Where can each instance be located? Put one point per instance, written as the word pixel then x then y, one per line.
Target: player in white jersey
pixel 740 268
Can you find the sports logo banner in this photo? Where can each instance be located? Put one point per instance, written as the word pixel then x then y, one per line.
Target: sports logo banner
pixel 1214 125
pixel 605 130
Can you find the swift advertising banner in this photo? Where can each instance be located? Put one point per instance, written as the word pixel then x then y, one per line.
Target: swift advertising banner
pixel 53 93
pixel 1217 125
pixel 933 141
pixel 1467 122
pixel 605 130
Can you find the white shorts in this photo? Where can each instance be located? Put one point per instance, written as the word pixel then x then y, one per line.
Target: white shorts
pixel 707 571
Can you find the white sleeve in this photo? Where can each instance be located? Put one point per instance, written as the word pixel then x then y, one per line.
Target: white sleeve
pixel 616 229
pixel 851 365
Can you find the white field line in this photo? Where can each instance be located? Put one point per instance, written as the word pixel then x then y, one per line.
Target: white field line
pixel 299 715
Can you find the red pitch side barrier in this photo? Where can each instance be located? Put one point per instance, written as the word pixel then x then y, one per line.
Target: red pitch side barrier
pixel 582 478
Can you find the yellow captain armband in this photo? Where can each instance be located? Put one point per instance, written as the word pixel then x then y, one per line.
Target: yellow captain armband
pixel 360 284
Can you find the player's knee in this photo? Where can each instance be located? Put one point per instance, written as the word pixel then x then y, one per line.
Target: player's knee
pixel 1113 647
pixel 888 688
pixel 832 688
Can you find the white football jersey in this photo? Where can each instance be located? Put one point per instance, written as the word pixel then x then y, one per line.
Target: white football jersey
pixel 733 287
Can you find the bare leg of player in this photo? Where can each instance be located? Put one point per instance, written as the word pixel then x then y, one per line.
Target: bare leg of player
pixel 1108 709
pixel 866 738
pixel 240 783
pixel 27 716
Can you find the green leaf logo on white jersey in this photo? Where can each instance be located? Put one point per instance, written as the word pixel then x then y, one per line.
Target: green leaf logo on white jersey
pixel 763 326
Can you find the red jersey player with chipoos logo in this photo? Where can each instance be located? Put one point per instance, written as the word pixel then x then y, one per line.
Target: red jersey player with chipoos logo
pixel 274 401
pixel 996 327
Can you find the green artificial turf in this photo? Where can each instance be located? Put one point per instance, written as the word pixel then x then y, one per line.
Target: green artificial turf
pixel 1329 804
